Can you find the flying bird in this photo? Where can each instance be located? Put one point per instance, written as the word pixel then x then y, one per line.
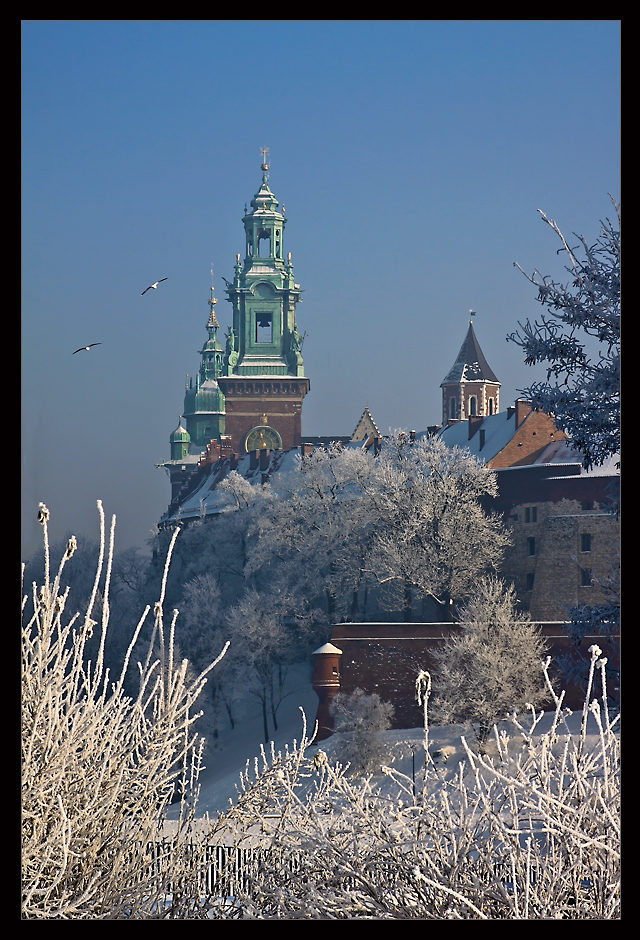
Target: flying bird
pixel 153 286
pixel 86 347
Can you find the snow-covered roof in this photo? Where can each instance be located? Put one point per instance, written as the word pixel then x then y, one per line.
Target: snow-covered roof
pixel 470 365
pixel 498 428
pixel 208 499
pixel 498 431
pixel 327 648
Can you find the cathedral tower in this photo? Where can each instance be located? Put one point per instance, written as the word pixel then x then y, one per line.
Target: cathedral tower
pixel 262 378
pixel 470 388
pixel 204 406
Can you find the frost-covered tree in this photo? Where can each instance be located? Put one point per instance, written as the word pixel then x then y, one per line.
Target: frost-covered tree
pixel 99 767
pixel 316 531
pixel 579 337
pixel 490 667
pixel 432 535
pixel 265 640
pixel 408 521
pixel 202 630
pixel 359 720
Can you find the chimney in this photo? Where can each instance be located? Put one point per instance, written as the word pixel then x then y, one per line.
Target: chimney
pixel 306 450
pixel 213 451
pixel 226 445
pixel 523 410
pixel 474 423
pixel 264 458
pixel 253 460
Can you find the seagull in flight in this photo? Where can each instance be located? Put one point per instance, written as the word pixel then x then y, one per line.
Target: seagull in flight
pixel 86 347
pixel 153 286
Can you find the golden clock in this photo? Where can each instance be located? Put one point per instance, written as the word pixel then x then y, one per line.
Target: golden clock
pixel 261 438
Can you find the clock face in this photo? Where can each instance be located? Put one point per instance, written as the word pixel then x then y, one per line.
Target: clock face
pixel 261 438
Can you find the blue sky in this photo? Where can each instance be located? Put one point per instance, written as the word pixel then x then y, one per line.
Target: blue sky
pixel 411 157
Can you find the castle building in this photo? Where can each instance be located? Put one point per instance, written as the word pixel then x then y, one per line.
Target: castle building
pixel 243 412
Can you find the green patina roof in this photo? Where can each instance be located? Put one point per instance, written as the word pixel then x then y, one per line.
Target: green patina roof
pixel 180 435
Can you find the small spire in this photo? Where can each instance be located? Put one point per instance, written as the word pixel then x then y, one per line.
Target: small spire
pixel 265 164
pixel 213 320
pixel 472 314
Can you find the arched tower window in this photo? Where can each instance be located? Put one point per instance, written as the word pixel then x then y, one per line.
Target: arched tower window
pixel 264 243
pixel 473 406
pixel 452 408
pixel 491 406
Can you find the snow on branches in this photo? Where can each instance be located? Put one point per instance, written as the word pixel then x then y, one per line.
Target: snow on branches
pixel 99 768
pixel 491 666
pixel 528 830
pixel 582 390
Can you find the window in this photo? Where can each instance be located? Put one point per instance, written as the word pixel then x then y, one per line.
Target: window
pixel 264 243
pixel 585 543
pixel 452 407
pixel 264 328
pixel 531 514
pixel 531 545
pixel 586 578
pixel 473 406
pixel 530 580
pixel 491 406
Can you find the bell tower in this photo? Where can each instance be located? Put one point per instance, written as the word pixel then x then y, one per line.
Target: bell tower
pixel 470 388
pixel 263 378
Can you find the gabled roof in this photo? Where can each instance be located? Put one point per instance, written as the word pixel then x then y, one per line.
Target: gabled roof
pixel 365 427
pixel 470 366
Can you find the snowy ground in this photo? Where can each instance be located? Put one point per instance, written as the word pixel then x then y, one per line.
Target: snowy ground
pixel 405 747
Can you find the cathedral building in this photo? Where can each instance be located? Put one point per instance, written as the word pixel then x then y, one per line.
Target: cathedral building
pixel 247 395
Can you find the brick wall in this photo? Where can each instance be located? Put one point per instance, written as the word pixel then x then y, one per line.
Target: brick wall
pixel 386 659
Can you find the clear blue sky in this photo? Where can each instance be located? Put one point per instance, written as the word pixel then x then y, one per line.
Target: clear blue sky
pixel 411 158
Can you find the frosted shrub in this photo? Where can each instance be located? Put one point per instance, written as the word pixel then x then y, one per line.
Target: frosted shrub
pixel 491 666
pixel 359 720
pixel 531 832
pixel 99 767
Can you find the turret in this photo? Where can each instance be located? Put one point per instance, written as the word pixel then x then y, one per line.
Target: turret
pixel 204 403
pixel 180 440
pixel 470 388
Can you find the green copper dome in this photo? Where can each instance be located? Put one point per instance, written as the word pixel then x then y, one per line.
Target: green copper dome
pixel 180 435
pixel 180 440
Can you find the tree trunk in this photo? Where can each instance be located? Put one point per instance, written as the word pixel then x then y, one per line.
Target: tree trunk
pixel 407 610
